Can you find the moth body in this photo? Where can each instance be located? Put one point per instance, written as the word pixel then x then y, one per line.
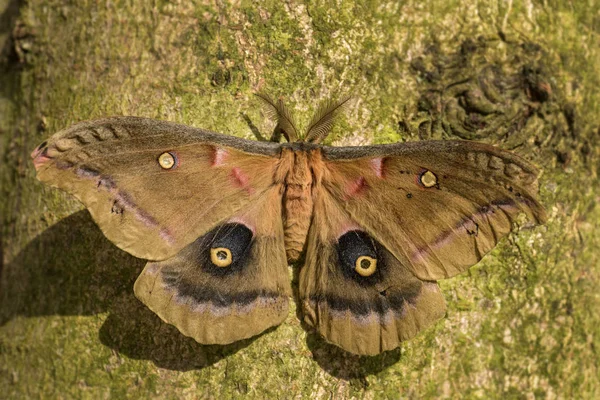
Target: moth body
pixel 298 197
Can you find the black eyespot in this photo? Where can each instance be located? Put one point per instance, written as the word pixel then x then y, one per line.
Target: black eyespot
pixel 225 249
pixel 361 258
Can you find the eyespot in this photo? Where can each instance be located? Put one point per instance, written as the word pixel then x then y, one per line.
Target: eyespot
pixel 428 179
pixel 361 258
pixel 221 256
pixel 365 265
pixel 167 160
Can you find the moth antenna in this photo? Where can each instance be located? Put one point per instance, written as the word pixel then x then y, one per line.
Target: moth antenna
pixel 277 111
pixel 323 120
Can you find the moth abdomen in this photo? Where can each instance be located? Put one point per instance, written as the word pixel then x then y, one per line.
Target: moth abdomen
pixel 298 203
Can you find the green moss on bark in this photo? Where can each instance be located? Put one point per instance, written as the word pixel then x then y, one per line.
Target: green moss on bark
pixel 522 323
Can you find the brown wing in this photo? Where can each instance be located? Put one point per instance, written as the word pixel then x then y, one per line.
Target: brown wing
pixel 355 292
pixel 437 206
pixel 391 220
pixel 230 284
pixel 113 166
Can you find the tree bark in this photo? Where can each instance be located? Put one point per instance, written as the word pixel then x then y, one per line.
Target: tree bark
pixel 521 75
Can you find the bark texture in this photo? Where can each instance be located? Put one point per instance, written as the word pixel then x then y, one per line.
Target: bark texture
pixel 523 75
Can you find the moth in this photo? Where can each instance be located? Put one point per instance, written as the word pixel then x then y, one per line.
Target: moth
pixel 371 228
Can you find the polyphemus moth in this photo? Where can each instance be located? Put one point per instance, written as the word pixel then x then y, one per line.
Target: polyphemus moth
pixel 219 218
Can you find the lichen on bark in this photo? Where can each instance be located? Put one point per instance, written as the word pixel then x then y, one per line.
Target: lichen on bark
pixel 518 74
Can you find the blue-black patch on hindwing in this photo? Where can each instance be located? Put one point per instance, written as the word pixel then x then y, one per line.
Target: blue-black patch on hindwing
pixel 377 293
pixel 207 294
pixel 354 244
pixel 235 237
pixel 239 240
pixel 372 304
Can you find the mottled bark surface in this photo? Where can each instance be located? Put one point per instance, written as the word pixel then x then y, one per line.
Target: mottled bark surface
pixel 523 75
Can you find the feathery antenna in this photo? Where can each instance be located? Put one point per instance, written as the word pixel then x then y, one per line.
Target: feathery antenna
pixel 323 120
pixel 277 111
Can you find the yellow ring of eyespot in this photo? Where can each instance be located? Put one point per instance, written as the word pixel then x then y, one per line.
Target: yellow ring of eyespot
pixel 428 179
pixel 166 160
pixel 362 271
pixel 216 259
